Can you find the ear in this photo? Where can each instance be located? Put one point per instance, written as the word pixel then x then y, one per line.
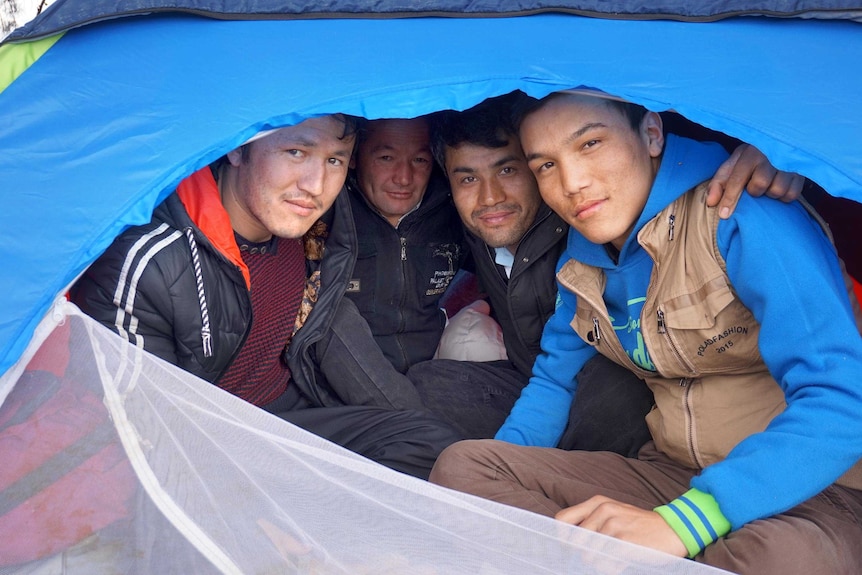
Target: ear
pixel 652 131
pixel 235 156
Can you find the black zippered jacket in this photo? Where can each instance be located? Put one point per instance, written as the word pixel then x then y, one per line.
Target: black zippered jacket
pixel 523 303
pixel 155 273
pixel 402 272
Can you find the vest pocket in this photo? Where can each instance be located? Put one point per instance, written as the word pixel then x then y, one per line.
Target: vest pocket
pixel 712 329
pixel 700 308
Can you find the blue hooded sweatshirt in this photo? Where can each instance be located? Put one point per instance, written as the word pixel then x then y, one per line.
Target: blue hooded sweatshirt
pixel 785 270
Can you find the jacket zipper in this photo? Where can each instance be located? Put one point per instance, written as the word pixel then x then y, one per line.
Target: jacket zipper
pixel 689 421
pixel 404 283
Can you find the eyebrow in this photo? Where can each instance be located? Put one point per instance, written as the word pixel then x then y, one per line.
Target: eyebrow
pixel 298 141
pixel 501 162
pixel 463 170
pixel 301 141
pixel 381 147
pixel 570 138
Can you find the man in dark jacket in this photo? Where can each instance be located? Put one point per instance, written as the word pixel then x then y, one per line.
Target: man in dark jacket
pixel 239 274
pixel 411 242
pixel 516 241
pixel 411 245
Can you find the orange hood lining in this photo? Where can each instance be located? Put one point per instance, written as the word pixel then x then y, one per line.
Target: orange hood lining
pixel 200 195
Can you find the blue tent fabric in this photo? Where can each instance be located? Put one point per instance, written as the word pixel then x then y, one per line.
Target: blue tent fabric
pixel 104 125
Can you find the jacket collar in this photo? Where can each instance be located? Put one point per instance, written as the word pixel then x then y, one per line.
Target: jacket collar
pixel 201 198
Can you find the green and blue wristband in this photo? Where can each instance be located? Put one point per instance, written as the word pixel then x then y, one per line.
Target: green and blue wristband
pixel 696 518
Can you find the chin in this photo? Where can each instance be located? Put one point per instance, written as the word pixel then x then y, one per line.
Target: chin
pixel 493 240
pixel 599 239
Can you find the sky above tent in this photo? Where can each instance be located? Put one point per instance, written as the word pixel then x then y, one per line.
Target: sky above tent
pixel 16 13
pixel 102 126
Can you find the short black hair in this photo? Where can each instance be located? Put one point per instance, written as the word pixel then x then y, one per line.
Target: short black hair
pixel 365 127
pixel 352 124
pixel 526 105
pixel 487 124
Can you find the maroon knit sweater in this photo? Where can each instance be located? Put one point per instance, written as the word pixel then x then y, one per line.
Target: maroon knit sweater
pixel 258 374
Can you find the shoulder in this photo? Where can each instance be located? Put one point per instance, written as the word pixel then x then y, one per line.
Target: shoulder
pixel 549 230
pixel 773 222
pixel 161 250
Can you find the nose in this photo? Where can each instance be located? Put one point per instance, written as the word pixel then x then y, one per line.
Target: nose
pixel 572 179
pixel 403 174
pixel 313 178
pixel 491 193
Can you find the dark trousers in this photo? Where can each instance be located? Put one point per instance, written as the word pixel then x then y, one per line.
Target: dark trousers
pixel 476 397
pixel 609 411
pixel 354 367
pixel 408 441
pixel 473 397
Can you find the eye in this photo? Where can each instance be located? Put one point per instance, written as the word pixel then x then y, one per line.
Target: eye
pixel 421 160
pixel 543 167
pixel 384 158
pixel 336 161
pixel 590 143
pixel 467 180
pixel 295 153
pixel 507 170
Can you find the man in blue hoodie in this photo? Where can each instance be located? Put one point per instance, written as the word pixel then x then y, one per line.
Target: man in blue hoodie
pixel 751 422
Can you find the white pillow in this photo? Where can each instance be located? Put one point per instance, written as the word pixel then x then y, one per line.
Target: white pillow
pixel 472 335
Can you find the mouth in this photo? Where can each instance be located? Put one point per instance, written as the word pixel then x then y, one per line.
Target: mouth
pixel 405 195
pixel 495 216
pixel 587 209
pixel 302 207
pixel 495 219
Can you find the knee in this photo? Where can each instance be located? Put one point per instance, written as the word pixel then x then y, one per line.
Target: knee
pixel 458 464
pixel 418 373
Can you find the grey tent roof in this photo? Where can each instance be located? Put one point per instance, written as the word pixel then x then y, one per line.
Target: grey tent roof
pixel 65 14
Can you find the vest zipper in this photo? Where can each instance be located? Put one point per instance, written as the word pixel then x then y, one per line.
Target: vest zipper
pixel 689 421
pixel 662 330
pixel 597 333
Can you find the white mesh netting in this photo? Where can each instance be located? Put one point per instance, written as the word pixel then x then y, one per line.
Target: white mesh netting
pixel 116 462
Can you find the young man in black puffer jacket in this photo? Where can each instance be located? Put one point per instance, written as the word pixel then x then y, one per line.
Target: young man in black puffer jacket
pixel 241 272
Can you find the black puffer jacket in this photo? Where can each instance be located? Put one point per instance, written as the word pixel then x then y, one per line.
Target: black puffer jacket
pixel 150 271
pixel 402 272
pixel 524 302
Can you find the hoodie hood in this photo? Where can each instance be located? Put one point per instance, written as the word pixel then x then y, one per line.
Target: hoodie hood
pixel 684 164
